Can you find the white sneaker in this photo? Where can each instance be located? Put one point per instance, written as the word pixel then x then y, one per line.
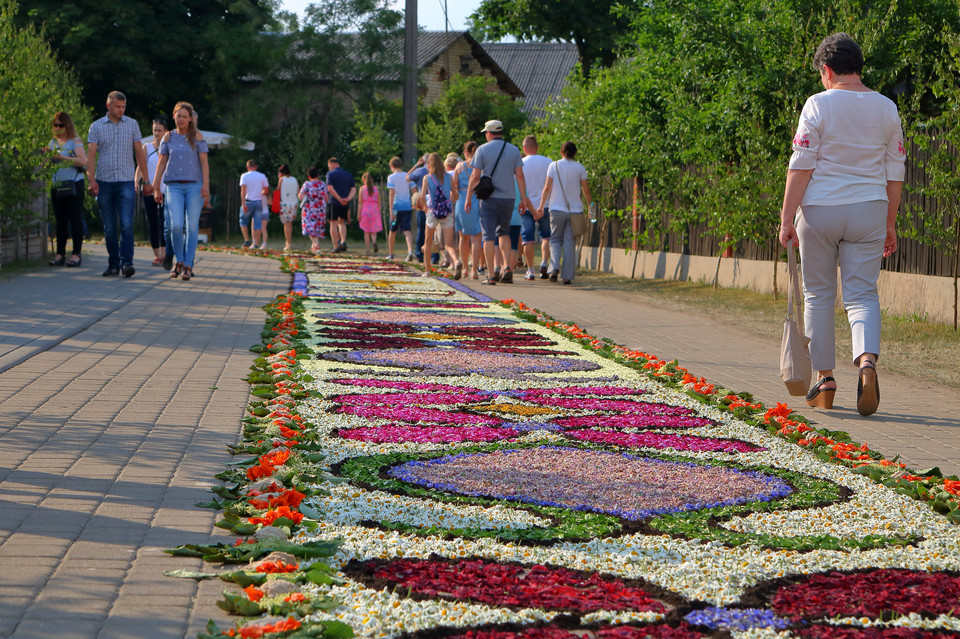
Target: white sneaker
pixel 530 275
pixel 390 257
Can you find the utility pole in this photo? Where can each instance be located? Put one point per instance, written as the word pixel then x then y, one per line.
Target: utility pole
pixel 410 84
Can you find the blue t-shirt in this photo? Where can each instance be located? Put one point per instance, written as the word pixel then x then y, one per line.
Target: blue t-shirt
pixel 341 181
pixel 417 175
pixel 398 183
pixel 432 184
pixel 183 164
pixel 486 158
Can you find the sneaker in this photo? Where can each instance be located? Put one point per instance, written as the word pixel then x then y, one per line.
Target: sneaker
pixel 553 276
pixel 167 261
pixel 111 272
pixel 507 277
pixel 567 282
pixel 530 275
pixel 263 247
pixel 390 257
pixel 246 245
pixel 128 270
pixel 343 247
pixel 543 271
pixel 411 257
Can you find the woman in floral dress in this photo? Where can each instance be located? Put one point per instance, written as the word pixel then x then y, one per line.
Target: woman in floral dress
pixel 313 195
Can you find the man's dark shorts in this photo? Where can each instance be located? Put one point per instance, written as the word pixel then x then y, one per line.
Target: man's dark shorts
pixel 402 223
pixel 495 214
pixel 338 211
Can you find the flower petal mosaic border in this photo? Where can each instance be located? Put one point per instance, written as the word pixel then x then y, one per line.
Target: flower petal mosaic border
pixel 423 462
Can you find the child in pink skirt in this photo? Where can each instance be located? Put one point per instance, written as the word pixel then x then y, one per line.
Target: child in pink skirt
pixel 370 220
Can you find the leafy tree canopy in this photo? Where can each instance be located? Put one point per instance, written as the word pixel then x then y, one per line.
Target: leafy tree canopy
pixel 597 27
pixel 155 52
pixel 33 86
pixel 460 112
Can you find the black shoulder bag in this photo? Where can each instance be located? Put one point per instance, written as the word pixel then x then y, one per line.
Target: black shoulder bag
pixel 485 188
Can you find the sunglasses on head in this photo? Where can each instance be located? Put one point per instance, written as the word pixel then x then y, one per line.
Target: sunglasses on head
pixel 58 125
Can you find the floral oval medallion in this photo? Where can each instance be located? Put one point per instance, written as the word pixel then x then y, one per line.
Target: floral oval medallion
pixel 625 485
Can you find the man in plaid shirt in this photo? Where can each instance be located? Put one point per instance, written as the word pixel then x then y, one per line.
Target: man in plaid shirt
pixel 117 140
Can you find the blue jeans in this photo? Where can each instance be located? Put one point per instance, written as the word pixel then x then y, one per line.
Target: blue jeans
pixel 530 226
pixel 184 202
pixel 116 202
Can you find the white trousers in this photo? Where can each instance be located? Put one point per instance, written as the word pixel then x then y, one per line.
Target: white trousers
pixel 850 236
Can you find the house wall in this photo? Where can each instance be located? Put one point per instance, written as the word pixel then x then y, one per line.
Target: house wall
pixel 461 61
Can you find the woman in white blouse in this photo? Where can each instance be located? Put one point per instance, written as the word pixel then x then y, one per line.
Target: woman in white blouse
pixel 564 202
pixel 845 177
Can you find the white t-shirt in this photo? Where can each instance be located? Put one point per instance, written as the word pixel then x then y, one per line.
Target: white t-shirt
pixel 853 141
pixel 289 190
pixel 400 186
pixel 569 174
pixel 534 175
pixel 256 182
pixel 153 159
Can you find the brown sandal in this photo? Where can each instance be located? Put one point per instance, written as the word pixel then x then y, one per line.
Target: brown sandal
pixel 868 389
pixel 175 271
pixel 186 273
pixel 821 397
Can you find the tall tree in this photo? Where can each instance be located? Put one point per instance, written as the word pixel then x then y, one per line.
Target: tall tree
pixel 597 27
pixel 33 86
pixel 156 52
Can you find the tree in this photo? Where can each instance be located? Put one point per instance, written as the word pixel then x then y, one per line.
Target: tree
pixel 33 86
pixel 460 112
pixel 597 27
pixel 155 52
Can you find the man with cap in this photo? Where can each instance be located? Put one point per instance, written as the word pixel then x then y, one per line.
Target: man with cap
pixel 503 163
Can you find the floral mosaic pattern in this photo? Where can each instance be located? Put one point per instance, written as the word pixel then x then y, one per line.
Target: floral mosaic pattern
pixel 493 476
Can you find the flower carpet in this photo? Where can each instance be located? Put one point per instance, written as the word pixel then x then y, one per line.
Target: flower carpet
pixel 423 462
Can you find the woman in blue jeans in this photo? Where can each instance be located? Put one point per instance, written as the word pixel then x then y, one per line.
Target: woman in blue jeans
pixel 184 171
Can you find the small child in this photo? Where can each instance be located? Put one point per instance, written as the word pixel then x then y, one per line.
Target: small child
pixel 401 208
pixel 370 220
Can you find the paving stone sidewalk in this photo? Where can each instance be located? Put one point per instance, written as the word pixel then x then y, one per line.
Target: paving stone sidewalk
pixel 118 398
pixel 920 421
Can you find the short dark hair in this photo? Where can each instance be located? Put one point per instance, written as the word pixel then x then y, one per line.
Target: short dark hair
pixel 284 169
pixel 568 150
pixel 333 160
pixel 841 53
pixel 116 96
pixel 313 173
pixel 162 122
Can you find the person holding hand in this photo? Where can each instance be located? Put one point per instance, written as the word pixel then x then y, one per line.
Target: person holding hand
pixel 184 171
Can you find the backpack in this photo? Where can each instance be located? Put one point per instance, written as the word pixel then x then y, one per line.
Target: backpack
pixel 441 205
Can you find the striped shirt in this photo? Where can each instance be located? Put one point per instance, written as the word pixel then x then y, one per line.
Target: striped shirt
pixel 114 140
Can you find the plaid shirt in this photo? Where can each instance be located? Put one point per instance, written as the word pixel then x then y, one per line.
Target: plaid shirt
pixel 114 140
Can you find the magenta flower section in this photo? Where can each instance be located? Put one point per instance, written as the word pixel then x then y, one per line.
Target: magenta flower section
pixel 402 385
pixel 573 391
pixel 850 632
pixel 884 593
pixel 427 434
pixel 405 399
pixel 654 631
pixel 416 415
pixel 515 586
pixel 659 440
pixel 668 419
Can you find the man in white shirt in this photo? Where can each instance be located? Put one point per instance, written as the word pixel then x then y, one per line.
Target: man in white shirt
pixel 535 174
pixel 253 186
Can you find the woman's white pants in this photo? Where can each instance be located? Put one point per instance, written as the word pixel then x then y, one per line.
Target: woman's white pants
pixel 850 236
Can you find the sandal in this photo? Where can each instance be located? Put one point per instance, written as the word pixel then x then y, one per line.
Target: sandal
pixel 489 281
pixel 186 273
pixel 75 260
pixel 821 397
pixel 58 261
pixel 868 389
pixel 175 271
